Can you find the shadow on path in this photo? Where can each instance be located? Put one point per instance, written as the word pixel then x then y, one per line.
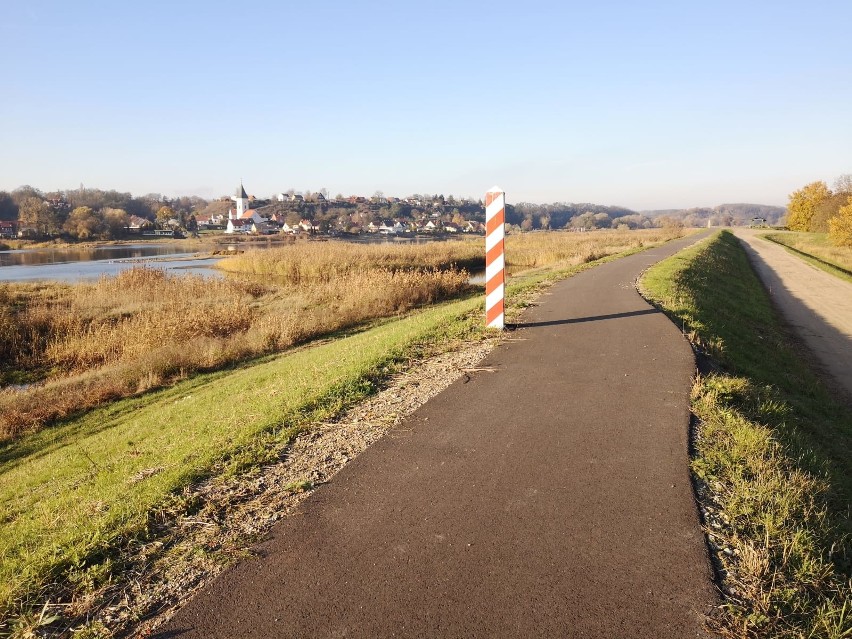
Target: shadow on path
pixel 581 320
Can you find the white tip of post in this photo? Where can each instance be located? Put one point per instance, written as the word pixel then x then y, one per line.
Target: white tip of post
pixel 494 189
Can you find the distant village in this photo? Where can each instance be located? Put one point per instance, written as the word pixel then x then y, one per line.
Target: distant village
pixel 93 214
pixel 316 213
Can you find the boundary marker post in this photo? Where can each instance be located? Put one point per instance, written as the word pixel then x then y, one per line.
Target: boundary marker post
pixel 495 263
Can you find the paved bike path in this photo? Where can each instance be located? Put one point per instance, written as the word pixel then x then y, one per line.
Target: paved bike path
pixel 549 498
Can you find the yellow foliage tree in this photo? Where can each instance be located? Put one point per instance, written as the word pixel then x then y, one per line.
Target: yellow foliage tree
pixel 840 226
pixel 803 205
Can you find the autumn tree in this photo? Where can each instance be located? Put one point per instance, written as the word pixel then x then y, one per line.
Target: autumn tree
pixel 164 214
pixel 843 184
pixel 826 210
pixel 34 213
pixel 840 226
pixel 84 223
pixel 803 205
pixel 115 221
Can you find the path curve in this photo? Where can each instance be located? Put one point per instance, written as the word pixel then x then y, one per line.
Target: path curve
pixel 546 496
pixel 816 304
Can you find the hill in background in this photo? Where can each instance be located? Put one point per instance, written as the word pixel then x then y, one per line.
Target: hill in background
pixel 723 215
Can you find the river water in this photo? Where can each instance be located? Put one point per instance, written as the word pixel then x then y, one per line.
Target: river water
pixel 75 264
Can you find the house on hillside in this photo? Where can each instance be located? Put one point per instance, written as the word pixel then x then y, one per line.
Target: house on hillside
pixel 309 226
pixel 239 226
pixel 8 229
pixel 136 222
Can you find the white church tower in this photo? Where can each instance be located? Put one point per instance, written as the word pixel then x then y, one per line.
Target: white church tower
pixel 242 201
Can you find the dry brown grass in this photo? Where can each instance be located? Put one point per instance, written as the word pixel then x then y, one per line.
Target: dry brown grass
pixel 534 250
pixel 817 245
pixel 91 343
pixel 326 261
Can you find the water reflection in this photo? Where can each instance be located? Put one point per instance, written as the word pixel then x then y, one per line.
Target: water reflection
pixel 34 257
pixel 74 264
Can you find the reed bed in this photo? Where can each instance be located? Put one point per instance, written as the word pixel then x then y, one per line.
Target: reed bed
pixel 88 344
pixel 326 261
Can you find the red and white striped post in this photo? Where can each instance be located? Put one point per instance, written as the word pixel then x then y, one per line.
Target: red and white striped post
pixel 495 263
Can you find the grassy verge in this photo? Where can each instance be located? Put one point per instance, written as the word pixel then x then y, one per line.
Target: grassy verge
pixel 816 249
pixel 773 453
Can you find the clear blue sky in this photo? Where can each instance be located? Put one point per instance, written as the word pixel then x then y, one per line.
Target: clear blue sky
pixel 646 105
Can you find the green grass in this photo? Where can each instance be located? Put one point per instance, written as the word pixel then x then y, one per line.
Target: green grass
pixel 773 452
pixel 817 249
pixel 72 493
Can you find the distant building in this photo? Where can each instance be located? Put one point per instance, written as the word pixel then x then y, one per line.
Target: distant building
pixel 239 226
pixel 243 210
pixel 136 222
pixel 8 229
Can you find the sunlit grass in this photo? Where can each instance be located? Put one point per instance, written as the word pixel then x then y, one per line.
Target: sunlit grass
pixel 773 453
pixel 71 494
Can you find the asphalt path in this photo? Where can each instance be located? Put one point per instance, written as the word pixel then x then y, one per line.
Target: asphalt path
pixel 816 304
pixel 548 498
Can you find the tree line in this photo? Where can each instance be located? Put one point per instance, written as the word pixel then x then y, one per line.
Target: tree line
pixel 587 217
pixel 90 213
pixel 816 208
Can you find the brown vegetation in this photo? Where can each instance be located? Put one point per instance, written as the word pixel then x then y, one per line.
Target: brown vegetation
pixel 533 250
pixel 326 261
pixel 90 343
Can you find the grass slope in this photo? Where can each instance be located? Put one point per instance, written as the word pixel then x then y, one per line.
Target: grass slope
pixel 71 493
pixel 773 457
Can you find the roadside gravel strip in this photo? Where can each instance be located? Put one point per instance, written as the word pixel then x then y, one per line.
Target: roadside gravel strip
pixel 545 494
pixel 816 304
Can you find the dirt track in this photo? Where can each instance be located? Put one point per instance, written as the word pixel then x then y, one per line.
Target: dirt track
pixel 546 496
pixel 816 304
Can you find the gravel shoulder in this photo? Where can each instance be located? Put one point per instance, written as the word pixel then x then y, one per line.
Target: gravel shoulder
pixel 816 304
